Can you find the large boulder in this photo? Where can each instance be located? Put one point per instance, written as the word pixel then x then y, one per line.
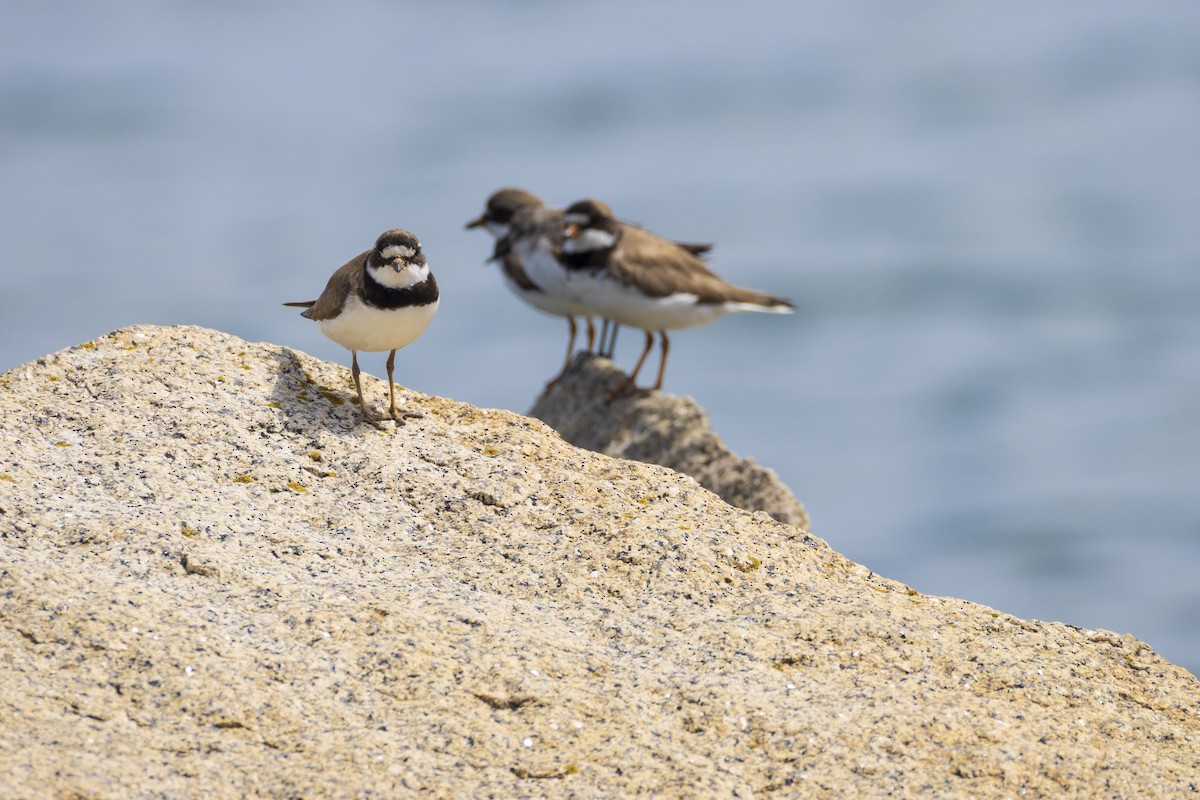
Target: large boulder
pixel 216 581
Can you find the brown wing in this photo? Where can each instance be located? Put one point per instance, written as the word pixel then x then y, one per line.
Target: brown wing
pixel 696 248
pixel 346 279
pixel 660 268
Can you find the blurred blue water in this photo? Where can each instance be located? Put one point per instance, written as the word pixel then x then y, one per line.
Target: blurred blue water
pixel 986 215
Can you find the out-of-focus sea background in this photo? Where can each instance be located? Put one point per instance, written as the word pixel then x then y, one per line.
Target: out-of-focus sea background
pixel 987 215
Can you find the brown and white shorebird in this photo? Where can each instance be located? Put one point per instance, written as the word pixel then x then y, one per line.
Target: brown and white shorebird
pixel 632 276
pixel 379 300
pixel 529 240
pixel 529 235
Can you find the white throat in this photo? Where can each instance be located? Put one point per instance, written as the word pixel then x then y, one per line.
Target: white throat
pixel 411 275
pixel 497 229
pixel 589 239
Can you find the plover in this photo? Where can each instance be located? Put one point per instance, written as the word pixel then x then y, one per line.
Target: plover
pixel 628 274
pixel 380 300
pixel 529 235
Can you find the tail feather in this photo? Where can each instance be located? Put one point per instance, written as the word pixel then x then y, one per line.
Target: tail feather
pixel 696 248
pixel 306 305
pixel 770 305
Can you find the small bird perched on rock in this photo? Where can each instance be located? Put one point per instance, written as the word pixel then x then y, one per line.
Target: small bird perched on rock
pixel 529 235
pixel 529 241
pixel 379 300
pixel 632 276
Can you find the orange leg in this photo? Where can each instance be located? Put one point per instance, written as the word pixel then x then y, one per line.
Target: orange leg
pixel 396 414
pixel 662 365
pixel 362 403
pixel 570 351
pixel 391 366
pixel 629 385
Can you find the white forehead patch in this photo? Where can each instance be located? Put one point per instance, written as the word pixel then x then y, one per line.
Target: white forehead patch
pixel 575 219
pixel 397 251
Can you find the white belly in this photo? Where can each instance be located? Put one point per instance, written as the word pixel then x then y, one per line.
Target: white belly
pixel 372 330
pixel 543 269
pixel 551 304
pixel 628 306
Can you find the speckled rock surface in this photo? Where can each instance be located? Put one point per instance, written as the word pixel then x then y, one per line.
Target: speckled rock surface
pixel 659 429
pixel 214 581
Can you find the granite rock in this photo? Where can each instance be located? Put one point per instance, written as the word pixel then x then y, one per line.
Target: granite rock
pixel 215 581
pixel 659 429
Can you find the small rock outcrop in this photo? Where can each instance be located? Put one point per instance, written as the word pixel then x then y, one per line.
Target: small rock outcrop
pixel 215 581
pixel 659 429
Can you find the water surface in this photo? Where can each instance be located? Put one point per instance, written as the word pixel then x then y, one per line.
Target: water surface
pixel 987 218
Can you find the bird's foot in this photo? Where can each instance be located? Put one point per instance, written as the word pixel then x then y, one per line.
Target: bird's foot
pixel 399 415
pixel 376 420
pixel 627 388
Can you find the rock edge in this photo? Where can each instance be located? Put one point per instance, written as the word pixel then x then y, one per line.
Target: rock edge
pixel 214 581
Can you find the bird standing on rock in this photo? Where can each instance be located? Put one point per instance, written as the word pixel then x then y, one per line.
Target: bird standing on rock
pixel 382 299
pixel 529 241
pixel 529 235
pixel 632 276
